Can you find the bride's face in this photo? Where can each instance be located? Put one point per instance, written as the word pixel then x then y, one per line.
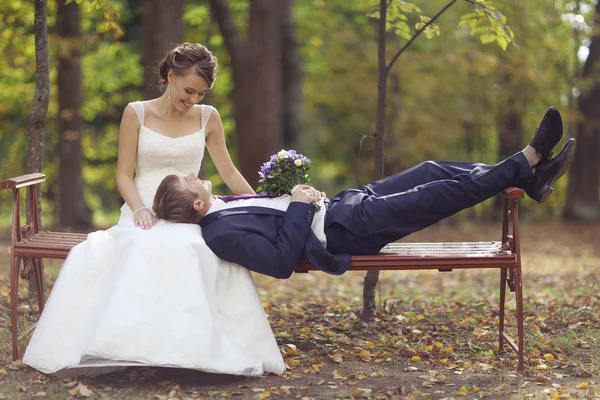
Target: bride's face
pixel 187 89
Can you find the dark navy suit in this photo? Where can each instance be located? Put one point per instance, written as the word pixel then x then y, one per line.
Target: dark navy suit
pixel 358 221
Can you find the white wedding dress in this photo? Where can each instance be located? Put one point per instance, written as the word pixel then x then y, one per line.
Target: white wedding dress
pixel 158 297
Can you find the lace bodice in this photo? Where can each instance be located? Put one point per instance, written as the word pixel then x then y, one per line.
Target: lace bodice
pixel 160 155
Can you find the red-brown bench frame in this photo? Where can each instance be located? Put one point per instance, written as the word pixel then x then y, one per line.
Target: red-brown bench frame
pixel 30 245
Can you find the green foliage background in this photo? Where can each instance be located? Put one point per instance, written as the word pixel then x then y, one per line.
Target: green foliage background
pixel 437 87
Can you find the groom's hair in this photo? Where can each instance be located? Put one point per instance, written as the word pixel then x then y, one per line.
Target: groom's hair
pixel 174 203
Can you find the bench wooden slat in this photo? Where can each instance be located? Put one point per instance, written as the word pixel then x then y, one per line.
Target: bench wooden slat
pixel 448 255
pixel 23 180
pixel 48 244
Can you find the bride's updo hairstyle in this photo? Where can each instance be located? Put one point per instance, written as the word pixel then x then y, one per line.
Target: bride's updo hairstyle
pixel 186 56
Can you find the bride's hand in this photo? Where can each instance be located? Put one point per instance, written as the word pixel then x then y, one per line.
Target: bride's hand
pixel 144 218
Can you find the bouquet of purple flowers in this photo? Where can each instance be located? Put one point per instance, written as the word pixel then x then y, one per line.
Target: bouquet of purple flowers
pixel 282 172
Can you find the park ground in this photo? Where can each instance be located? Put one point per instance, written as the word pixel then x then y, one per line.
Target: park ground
pixel 434 337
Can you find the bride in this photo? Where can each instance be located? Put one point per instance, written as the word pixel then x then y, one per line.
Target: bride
pixel 148 292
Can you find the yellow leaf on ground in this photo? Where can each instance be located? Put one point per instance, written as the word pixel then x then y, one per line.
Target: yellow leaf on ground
pixel 337 358
pixel 448 350
pixel 84 391
pixel 337 375
pixel 548 357
pixel 475 389
pixel 415 358
pixel 583 385
pixel 365 355
pixel 438 345
pixel 3 372
pixel 264 395
pixel 292 362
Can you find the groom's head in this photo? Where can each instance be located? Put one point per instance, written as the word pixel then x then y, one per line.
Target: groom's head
pixel 182 198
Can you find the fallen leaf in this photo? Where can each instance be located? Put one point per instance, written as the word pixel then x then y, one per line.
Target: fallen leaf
pixel 337 375
pixel 337 358
pixel 582 372
pixel 84 391
pixel 15 365
pixel 583 385
pixel 548 357
pixel 264 395
pixel 365 355
pixel 415 358
pixel 501 388
pixel 3 372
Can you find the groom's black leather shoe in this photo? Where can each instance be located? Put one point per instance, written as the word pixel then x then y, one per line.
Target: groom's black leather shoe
pixel 548 134
pixel 548 171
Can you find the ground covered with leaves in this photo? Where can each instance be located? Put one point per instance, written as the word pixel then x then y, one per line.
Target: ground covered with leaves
pixel 435 335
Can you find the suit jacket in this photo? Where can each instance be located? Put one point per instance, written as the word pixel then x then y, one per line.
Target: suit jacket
pixel 269 241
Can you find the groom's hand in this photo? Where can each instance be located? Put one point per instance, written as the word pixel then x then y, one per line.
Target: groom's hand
pixel 307 194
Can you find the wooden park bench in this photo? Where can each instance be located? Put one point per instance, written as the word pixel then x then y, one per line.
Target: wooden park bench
pixel 29 245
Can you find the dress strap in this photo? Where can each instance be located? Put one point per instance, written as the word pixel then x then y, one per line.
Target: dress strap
pixel 206 110
pixel 138 106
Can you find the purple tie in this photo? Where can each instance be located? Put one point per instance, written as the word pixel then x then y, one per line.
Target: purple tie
pixel 233 197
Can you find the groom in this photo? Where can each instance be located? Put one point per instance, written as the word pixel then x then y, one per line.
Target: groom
pixel 271 235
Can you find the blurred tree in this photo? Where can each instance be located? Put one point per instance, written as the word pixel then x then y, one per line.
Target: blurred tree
pixel 162 29
pixel 39 107
pixel 291 66
pixel 263 94
pixel 583 199
pixel 73 212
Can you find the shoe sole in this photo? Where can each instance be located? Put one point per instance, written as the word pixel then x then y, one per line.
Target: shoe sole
pixel 548 189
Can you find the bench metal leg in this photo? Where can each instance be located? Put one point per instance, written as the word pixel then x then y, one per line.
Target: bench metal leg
pixel 503 274
pixel 38 274
pixel 15 265
pixel 519 296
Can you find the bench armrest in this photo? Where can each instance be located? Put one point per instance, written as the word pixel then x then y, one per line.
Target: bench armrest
pixel 23 181
pixel 513 193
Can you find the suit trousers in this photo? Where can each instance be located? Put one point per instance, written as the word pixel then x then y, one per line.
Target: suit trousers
pixel 363 220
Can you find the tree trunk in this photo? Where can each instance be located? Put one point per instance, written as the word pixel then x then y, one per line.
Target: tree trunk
pixel 73 212
pixel 372 277
pixel 258 92
pixel 162 29
pixel 39 107
pixel 583 200
pixel 266 95
pixel 291 79
pixel 36 123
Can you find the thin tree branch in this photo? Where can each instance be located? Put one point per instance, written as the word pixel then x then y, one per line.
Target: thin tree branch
pixel 417 33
